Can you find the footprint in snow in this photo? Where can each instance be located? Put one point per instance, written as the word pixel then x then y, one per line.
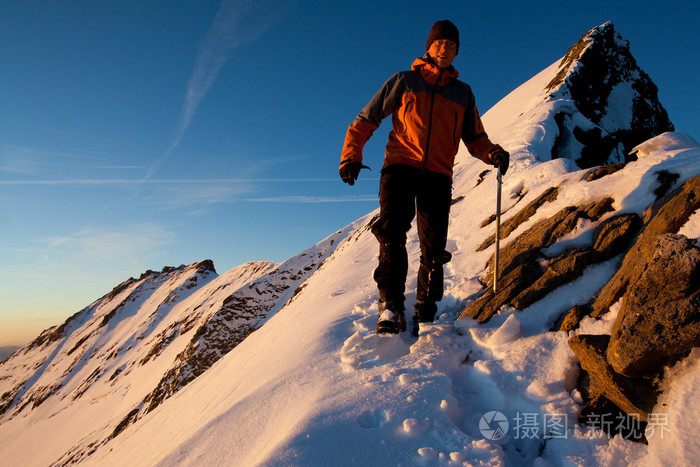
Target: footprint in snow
pixel 365 349
pixel 360 351
pixel 372 418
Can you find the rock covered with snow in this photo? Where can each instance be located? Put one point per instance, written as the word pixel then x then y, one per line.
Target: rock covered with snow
pixel 532 267
pixel 656 324
pixel 616 103
pixel 670 141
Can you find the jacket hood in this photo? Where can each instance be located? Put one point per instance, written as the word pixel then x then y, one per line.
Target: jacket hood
pixel 431 71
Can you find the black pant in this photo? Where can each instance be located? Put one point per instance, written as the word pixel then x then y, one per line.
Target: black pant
pixel 403 191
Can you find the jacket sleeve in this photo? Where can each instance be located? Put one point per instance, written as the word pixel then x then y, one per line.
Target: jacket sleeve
pixel 382 105
pixel 475 137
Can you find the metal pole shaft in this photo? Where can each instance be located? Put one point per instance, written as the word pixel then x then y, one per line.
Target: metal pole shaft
pixel 498 230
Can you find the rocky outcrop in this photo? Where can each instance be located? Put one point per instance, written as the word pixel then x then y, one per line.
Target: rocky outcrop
pixel 657 283
pixel 658 323
pixel 521 217
pixel 528 274
pixel 667 215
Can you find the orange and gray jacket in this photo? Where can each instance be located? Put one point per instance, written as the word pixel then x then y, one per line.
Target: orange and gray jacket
pixel 431 112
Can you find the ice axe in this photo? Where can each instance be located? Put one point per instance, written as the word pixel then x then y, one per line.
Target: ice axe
pixel 499 181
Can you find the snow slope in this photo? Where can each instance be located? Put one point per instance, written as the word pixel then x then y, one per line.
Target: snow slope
pixel 315 385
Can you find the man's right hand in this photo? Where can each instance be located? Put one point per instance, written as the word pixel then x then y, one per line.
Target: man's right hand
pixel 350 171
pixel 501 159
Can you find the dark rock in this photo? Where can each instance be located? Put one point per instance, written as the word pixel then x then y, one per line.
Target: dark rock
pixel 602 171
pixel 613 236
pixel 610 238
pixel 659 321
pixel 597 148
pixel 509 286
pixel 562 269
pixel 205 266
pixel 482 177
pixel 635 396
pixel 666 181
pixel 603 415
pixel 527 275
pixel 572 318
pixel 522 216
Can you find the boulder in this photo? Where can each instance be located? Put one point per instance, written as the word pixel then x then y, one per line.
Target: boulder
pixel 635 396
pixel 659 321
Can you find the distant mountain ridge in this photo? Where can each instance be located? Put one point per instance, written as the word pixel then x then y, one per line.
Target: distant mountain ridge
pixel 164 329
pixel 8 350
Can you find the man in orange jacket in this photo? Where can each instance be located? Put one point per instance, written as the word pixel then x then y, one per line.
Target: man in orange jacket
pixel 431 112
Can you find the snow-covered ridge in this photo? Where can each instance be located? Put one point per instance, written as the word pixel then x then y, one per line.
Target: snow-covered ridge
pixel 143 342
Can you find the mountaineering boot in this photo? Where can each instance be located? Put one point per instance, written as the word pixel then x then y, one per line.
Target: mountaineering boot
pixel 392 319
pixel 424 312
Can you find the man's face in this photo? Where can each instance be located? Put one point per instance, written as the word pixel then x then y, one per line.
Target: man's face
pixel 443 52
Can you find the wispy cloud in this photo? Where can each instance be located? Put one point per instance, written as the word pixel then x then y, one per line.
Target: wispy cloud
pixel 315 199
pixel 214 181
pixel 24 152
pixel 103 244
pixel 120 167
pixel 236 23
pixel 23 160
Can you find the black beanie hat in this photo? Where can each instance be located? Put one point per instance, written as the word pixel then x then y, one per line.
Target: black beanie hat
pixel 443 30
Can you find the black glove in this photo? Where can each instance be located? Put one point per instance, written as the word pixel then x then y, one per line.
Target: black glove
pixel 500 158
pixel 350 171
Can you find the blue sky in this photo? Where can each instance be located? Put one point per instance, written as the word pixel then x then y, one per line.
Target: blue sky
pixel 140 134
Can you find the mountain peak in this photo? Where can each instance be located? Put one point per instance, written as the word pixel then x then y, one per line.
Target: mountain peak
pixel 576 52
pixel 618 100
